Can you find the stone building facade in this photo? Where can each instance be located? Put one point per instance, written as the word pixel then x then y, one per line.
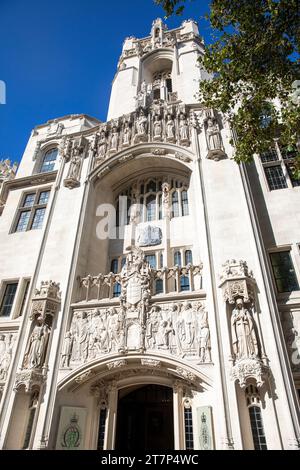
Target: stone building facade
pixel 149 286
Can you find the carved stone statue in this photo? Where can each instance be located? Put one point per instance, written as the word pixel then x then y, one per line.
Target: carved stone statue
pixel 166 199
pixel 102 145
pixel 244 340
pixel 141 123
pixel 6 345
pixel 75 164
pixel 170 128
pixel 114 139
pixel 204 337
pixel 213 135
pixel 67 350
pixel 157 128
pixel 183 129
pixel 37 345
pixel 126 134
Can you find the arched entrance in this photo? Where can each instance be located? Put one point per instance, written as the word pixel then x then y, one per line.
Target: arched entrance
pixel 145 418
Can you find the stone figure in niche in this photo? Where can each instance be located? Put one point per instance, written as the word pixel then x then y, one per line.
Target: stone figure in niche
pixel 6 345
pixel 170 128
pixel 244 340
pixel 114 139
pixel 37 345
pixel 126 134
pixel 213 135
pixel 183 129
pixel 141 123
pixel 67 350
pixel 157 128
pixel 102 145
pixel 186 328
pixel 75 165
pixel 204 338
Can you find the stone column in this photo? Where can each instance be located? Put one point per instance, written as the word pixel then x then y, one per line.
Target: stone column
pixel 111 418
pixel 178 416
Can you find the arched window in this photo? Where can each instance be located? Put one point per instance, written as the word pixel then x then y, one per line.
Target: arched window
pixel 177 258
pixel 49 160
pixel 123 262
pixel 150 208
pixel 188 257
pixel 184 283
pixel 256 422
pixel 175 204
pixel 184 203
pixel 159 286
pixel 114 266
pixel 117 290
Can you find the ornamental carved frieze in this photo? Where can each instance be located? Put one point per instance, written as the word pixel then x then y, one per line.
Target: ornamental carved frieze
pixel 44 306
pixel 138 323
pixel 161 122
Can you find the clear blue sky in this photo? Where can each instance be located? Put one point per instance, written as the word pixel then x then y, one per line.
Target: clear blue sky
pixel 59 57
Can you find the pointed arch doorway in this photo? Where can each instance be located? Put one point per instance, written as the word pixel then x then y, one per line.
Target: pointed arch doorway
pixel 145 418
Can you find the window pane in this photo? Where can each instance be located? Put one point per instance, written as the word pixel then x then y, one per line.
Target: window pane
pixel 151 187
pixel 49 161
pixel 151 206
pixel 23 221
pixel 269 156
pixel 117 290
pixel 258 433
pixel 44 196
pixel 184 203
pixel 284 273
pixel 275 177
pixel 177 258
pixel 8 299
pixel 38 219
pixel 114 266
pixel 29 200
pixel 188 257
pixel 184 283
pixel 175 204
pixel 159 286
pixel 151 259
pixel 188 425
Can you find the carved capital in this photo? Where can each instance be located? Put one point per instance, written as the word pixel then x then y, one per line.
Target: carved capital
pixel 249 368
pixel 30 379
pixel 237 281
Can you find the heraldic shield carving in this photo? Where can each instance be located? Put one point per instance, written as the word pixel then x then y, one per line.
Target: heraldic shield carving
pixel 135 297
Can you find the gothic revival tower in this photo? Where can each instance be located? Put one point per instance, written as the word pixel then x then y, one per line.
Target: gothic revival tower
pixel 149 294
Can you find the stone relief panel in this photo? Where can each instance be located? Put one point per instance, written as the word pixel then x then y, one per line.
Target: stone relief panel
pixel 179 328
pixel 291 330
pixel 7 343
